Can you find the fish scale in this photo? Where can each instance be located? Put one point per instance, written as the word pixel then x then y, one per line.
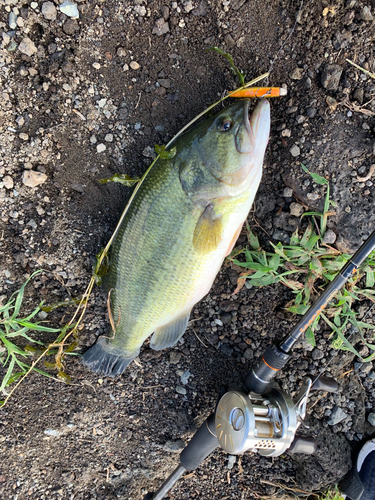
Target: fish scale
pixel 182 221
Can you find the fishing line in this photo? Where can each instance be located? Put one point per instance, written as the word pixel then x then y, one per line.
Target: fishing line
pixel 290 34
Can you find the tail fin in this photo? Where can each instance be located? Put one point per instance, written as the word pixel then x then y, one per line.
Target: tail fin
pixel 101 361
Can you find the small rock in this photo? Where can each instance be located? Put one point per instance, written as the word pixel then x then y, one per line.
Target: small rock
pixel 78 187
pixel 121 52
pixel 27 47
pixel 161 27
pixel 140 10
pixel 31 178
pixel 70 9
pixel 296 209
pixel 371 419
pixel 49 11
pixel 313 196
pixel 8 182
pixel 366 14
pixel 297 74
pixel 358 95
pixel 164 11
pixel 134 65
pixel 329 237
pixel 185 377
pixel 288 192
pixel 101 147
pixel 231 461
pixel 337 415
pixel 12 21
pixel 70 26
pixel 308 83
pixel 20 121
pixel 317 354
pixel 228 39
pixel 331 75
pixel 295 150
pixel 173 446
pixel 188 6
pixel 174 357
pixel 165 82
pixel 357 365
pixel 286 132
pixel 311 112
pixel 366 368
pixel 248 354
pixel 108 138
pixel 51 432
pixel 180 390
pixel 24 136
pixel 96 65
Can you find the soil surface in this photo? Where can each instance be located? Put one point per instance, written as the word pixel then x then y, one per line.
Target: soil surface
pixel 84 98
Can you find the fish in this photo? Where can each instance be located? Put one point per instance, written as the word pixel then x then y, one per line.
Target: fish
pixel 183 220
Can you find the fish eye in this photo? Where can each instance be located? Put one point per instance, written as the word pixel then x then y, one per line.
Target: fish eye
pixel 225 125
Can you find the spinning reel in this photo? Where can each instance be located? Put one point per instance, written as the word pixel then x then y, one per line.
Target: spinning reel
pixel 264 419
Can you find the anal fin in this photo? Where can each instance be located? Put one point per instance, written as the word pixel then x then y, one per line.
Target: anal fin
pixel 208 231
pixel 168 335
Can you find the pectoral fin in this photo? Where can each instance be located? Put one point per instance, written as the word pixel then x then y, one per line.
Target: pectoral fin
pixel 208 231
pixel 168 335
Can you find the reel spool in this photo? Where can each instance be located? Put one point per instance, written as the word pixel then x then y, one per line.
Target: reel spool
pixel 265 423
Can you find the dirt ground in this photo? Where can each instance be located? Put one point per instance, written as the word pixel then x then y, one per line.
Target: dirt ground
pixel 82 99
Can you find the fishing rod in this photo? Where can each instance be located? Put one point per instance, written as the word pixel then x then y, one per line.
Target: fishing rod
pixel 264 419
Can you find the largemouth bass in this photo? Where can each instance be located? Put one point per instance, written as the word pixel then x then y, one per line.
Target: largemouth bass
pixel 183 220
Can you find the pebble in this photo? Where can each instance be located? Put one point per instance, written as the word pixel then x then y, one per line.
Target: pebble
pixel 51 432
pixel 134 65
pixel 12 21
pixel 161 27
pixel 173 446
pixel 317 354
pixel 296 209
pixel 31 178
pixel 231 461
pixel 24 136
pixel 27 47
pixel 164 82
pixel 174 357
pixel 108 138
pixel 70 26
pixel 313 196
pixel 331 75
pixel 188 6
pixel 371 419
pixel 288 192
pixel 70 9
pixel 49 11
pixel 8 182
pixel 185 377
pixel 337 415
pixel 297 74
pixel 101 147
pixel 180 390
pixel 295 150
pixel 121 52
pixel 286 132
pixel 96 65
pixel 329 237
pixel 20 121
pixel 366 14
pixel 140 10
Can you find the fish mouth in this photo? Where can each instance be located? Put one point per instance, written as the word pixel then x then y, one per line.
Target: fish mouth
pixel 246 122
